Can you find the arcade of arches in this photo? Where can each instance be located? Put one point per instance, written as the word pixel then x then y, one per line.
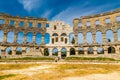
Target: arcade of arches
pixel 97 35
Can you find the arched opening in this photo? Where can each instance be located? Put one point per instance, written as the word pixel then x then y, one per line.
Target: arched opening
pixel 55 52
pixel 118 34
pixel 110 36
pixel 29 37
pixel 63 38
pixel 90 50
pixel 19 51
pixel 27 50
pixel 38 38
pixel 1 35
pixel 10 37
pixel 63 53
pixel 100 50
pixel 89 37
pixel 72 51
pixel 80 51
pixel 72 38
pixel 0 52
pixel 9 50
pixel 55 35
pixel 99 37
pixel 80 38
pixel 47 38
pixel 46 52
pixel 20 37
pixel 111 50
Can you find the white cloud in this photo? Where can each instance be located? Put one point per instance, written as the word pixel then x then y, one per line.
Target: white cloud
pixel 29 5
pixel 75 12
pixel 46 14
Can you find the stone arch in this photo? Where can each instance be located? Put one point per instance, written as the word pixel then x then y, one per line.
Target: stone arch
pixel 63 52
pixel 109 35
pixel 118 31
pixel 71 38
pixel 80 51
pixel 1 35
pixel 18 51
pixel 72 51
pixel 29 37
pixel 100 50
pixel 80 38
pixel 20 37
pixel 47 38
pixel 46 52
pixel 99 38
pixel 55 35
pixel 9 50
pixel 90 50
pixel 38 38
pixel 89 37
pixel 111 50
pixel 63 34
pixel 10 37
pixel 0 51
pixel 55 52
pixel 27 50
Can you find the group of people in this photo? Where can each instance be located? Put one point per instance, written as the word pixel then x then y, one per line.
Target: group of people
pixel 57 59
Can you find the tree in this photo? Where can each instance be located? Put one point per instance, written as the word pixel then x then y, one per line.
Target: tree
pixel 73 41
pixel 18 52
pixel 10 52
pixel 109 40
pixel 46 52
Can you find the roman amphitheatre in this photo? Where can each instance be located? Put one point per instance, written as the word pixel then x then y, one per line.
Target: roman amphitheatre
pixel 88 50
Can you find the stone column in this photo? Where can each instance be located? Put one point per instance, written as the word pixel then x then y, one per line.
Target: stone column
pixel 94 38
pixel 76 51
pixel 50 53
pixel 116 49
pixel 76 39
pixel 15 37
pixel 34 39
pixel 5 37
pixel 84 36
pixel 43 39
pixel 104 38
pixel 25 38
pixel 115 37
pixel 68 52
pixel 105 50
pixel 59 52
pixel 86 50
pixel 95 50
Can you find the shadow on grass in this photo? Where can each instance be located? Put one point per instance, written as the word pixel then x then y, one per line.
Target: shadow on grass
pixel 6 76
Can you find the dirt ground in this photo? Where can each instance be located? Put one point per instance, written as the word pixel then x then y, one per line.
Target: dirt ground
pixel 51 72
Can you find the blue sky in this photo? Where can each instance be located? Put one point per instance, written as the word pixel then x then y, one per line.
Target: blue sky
pixel 65 10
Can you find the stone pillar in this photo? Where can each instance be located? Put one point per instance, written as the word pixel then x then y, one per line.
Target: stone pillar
pixel 50 53
pixel 84 36
pixel 115 37
pixel 5 38
pixel 105 50
pixel 15 37
pixel 116 49
pixel 42 39
pixel 76 51
pixel 94 38
pixel 76 39
pixel 86 50
pixel 25 38
pixel 76 21
pixel 68 52
pixel 95 50
pixel 104 38
pixel 59 53
pixel 34 39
